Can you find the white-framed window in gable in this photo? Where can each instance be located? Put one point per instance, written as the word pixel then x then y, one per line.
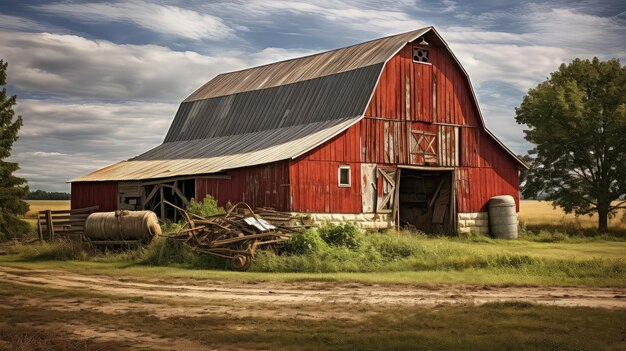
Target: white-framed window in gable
pixel 420 55
pixel 343 176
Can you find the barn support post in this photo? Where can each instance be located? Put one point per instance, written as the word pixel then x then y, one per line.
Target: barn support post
pixel 161 193
pixel 395 212
pixel 453 210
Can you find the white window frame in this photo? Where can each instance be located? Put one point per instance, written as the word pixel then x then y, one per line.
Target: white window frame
pixel 421 48
pixel 344 185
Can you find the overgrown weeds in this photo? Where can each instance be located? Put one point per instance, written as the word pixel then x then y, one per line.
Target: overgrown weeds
pixel 345 249
pixel 205 208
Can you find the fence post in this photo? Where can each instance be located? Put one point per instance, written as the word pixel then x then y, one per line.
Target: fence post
pixel 39 228
pixel 49 224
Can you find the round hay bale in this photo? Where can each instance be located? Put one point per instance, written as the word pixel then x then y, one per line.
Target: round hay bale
pixel 122 226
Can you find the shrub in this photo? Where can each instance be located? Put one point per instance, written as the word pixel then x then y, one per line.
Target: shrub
pixel 205 208
pixel 347 235
pixel 168 228
pixel 13 228
pixel 305 243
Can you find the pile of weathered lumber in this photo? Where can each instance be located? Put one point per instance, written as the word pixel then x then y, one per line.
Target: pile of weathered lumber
pixel 238 234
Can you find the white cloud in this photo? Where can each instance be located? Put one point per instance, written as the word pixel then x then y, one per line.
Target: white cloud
pixel 381 17
pixel 62 139
pixel 20 23
pixel 583 34
pixel 165 19
pixel 73 66
pixel 43 154
pixel 520 66
pixel 500 120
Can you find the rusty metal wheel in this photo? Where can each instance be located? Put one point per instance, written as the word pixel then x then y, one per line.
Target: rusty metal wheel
pixel 241 263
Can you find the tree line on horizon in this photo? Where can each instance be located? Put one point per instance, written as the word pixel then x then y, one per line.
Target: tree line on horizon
pixel 47 195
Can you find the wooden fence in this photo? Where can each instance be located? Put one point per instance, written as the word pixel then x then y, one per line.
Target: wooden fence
pixel 63 223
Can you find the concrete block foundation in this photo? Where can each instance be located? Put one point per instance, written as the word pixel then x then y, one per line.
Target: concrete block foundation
pixel 477 222
pixel 363 221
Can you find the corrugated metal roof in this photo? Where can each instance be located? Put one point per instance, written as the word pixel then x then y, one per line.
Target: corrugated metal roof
pixel 308 67
pixel 268 113
pixel 202 156
pixel 325 98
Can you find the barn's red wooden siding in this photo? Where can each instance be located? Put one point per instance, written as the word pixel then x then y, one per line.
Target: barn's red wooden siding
pixel 265 185
pixel 452 102
pixel 409 97
pixel 87 194
pixel 315 187
pixel 495 173
pixel 314 176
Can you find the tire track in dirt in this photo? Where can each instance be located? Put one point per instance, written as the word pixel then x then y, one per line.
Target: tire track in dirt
pixel 315 292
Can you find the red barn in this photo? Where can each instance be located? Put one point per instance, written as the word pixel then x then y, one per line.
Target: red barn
pixel 387 132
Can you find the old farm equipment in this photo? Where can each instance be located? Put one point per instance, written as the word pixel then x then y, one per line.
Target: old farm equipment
pixel 238 234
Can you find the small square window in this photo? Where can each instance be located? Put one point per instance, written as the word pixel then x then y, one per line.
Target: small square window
pixel 420 55
pixel 344 176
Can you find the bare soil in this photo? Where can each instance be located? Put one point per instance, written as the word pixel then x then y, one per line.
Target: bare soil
pixel 319 292
pixel 63 310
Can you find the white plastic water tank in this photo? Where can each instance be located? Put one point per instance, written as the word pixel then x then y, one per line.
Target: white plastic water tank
pixel 502 217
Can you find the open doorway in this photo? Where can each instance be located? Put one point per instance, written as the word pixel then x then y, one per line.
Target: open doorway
pixel 426 201
pixel 160 194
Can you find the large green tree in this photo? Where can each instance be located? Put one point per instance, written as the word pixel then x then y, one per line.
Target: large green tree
pixel 12 188
pixel 577 121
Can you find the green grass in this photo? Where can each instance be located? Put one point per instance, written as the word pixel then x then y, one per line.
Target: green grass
pixel 498 326
pixel 392 258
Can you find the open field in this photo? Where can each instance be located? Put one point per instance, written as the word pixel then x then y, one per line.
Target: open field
pixel 40 205
pixel 534 212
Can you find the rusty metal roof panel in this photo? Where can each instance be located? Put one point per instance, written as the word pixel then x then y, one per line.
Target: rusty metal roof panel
pixel 304 68
pixel 204 156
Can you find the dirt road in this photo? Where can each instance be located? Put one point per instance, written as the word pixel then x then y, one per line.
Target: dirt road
pixel 60 310
pixel 318 292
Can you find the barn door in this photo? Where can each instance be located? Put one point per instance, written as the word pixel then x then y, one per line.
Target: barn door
pixel 386 189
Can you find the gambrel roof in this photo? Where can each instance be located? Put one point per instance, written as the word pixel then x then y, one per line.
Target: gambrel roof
pixel 268 113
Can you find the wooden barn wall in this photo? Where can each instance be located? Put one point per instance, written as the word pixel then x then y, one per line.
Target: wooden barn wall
pixel 315 187
pixel 87 194
pixel 476 185
pixel 314 176
pixel 258 186
pixel 410 100
pixel 436 93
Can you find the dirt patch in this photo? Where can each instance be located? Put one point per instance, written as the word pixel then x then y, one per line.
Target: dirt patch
pixel 315 293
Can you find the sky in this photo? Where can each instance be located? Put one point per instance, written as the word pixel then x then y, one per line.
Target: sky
pixel 100 81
